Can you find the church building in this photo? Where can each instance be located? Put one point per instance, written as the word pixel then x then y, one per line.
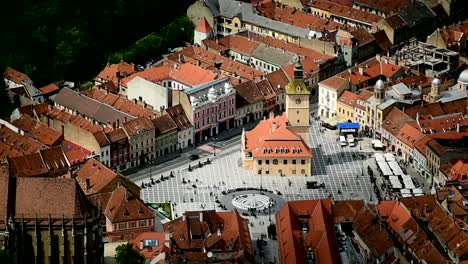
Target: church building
pixel 280 145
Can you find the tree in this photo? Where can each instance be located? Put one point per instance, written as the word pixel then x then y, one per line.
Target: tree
pixel 127 255
pixel 4 257
pixel 6 105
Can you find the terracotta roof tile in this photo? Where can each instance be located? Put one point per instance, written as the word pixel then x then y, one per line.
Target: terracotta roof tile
pixel 247 93
pixel 196 55
pixel 394 120
pixel 362 36
pixel 179 116
pixel 309 66
pixel 39 131
pixel 234 235
pixel 295 17
pixel 382 41
pixel 138 125
pixel 320 237
pixel 371 69
pixel 101 138
pixel 334 82
pixel 78 121
pixel 117 135
pixel 124 206
pixel 18 142
pixel 54 197
pixel 97 175
pixel 409 134
pixel 395 22
pixel 28 166
pixel 150 253
pixel 15 76
pixel 271 136
pixel 348 98
pixel 110 72
pixel 452 34
pixel 458 170
pixel 50 88
pixel 204 26
pixel 388 6
pixel 164 124
pixel 347 12
pixel 278 81
pixel 236 43
pixel 346 211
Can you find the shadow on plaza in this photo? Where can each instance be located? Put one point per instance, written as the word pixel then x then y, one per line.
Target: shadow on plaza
pixel 326 160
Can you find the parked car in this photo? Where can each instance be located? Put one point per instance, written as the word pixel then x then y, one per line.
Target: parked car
pixel 194 157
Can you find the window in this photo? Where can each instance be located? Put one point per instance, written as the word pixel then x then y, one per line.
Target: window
pixel 294 162
pixel 122 226
pixel 142 223
pixel 267 162
pixel 302 171
pixel 275 162
pixel 259 162
pixel 293 171
pixel 259 171
pixel 302 162
pixel 285 162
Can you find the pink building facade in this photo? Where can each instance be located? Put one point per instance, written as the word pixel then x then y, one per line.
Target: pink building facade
pixel 213 108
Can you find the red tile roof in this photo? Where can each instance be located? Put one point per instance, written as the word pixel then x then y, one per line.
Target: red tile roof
pixel 185 73
pixel 18 142
pixel 28 166
pixel 278 81
pixel 453 34
pixel 296 17
pixel 137 126
pixel 441 223
pixel 77 121
pixel 124 206
pixel 309 65
pixel 247 93
pixel 409 134
pixel 316 216
pixel 101 179
pixel 394 120
pixel 236 43
pixel 111 70
pixel 50 88
pixel 347 12
pixel 196 55
pixel 388 6
pixel 348 98
pixel 215 231
pixel 98 176
pixel 457 170
pixel 150 252
pixel 407 228
pixel 431 124
pixel 204 26
pixel 164 125
pixel 271 138
pixel 38 131
pixel 334 82
pixel 291 47
pixel 371 69
pixel 50 197
pixel 75 154
pixel 15 76
pixel 179 116
pixel 121 103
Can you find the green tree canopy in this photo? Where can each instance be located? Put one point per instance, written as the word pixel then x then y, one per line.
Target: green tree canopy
pixel 51 40
pixel 127 255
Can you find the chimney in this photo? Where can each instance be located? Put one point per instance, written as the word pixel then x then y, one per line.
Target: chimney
pixel 88 184
pixel 201 216
pixel 271 114
pixel 63 130
pixel 183 217
pixel 125 119
pixel 361 70
pixel 458 128
pixel 118 123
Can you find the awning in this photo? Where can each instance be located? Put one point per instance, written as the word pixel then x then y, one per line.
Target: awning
pixel 333 121
pixel 350 126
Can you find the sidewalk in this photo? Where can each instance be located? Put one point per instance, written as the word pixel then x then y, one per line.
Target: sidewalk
pixel 225 135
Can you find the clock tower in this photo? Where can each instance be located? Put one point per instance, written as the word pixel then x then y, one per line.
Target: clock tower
pixel 297 104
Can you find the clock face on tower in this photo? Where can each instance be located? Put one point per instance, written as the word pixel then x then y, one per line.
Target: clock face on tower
pixel 298 101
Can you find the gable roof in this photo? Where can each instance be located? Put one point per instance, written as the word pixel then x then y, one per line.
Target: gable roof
pixel 97 175
pixel 38 131
pixel 204 26
pixel 111 71
pixel 348 98
pixel 335 83
pixel 137 126
pixel 124 206
pixel 18 142
pixel 50 88
pixel 320 237
pixel 15 76
pixel 164 124
pixel 272 138
pixel 247 93
pixel 179 116
pixel 50 197
pixel 394 120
